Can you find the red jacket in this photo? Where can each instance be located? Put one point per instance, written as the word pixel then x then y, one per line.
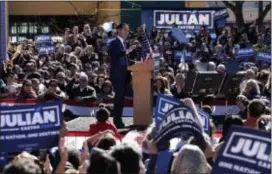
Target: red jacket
pixel 100 127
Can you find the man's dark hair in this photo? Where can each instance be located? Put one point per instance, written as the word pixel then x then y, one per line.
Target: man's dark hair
pixel 122 25
pixel 230 121
pixel 256 108
pixel 128 157
pixel 22 166
pixel 102 115
pixel 207 109
pixel 74 157
pixel 102 163
pixel 106 142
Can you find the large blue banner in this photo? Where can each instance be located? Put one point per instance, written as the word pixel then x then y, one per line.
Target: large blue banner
pixel 244 54
pixel 178 122
pixel 30 127
pixel 191 19
pixel 245 151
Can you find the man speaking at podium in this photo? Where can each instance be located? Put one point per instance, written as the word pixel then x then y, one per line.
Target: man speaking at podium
pixel 118 71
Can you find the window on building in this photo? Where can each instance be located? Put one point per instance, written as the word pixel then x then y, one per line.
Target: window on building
pixel 45 29
pixel 23 28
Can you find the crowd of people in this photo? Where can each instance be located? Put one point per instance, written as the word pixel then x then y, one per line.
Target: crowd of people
pixel 79 70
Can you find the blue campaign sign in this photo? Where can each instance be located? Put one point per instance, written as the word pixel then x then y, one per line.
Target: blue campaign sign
pixel 179 35
pixel 43 38
pixel 244 54
pixel 264 57
pixel 205 120
pixel 30 127
pixel 46 50
pixel 192 20
pixel 183 56
pixel 221 14
pixel 179 121
pixel 244 151
pixel 163 105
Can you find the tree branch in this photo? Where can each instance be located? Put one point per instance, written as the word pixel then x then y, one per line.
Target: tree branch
pixel 229 5
pixel 265 11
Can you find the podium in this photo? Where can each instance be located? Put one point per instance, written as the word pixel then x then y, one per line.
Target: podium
pixel 142 94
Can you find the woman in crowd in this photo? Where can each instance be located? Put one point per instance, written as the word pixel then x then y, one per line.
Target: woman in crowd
pixel 252 90
pixel 161 86
pixel 27 91
pixel 106 93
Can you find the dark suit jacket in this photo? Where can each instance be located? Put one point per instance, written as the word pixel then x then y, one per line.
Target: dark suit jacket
pixel 118 60
pixel 88 93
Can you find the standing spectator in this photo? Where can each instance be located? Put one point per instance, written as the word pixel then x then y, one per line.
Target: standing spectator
pixel 89 56
pixel 256 109
pixel 161 87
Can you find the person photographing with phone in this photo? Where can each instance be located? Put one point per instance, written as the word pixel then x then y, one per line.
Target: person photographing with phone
pixel 118 71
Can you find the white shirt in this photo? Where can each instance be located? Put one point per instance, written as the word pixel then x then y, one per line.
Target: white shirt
pixel 122 41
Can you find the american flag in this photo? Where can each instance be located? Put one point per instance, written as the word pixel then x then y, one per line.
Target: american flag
pixel 145 53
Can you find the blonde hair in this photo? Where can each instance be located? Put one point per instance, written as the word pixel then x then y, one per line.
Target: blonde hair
pixel 190 160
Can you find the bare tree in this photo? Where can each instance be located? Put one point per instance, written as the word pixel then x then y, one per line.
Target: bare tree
pixel 237 8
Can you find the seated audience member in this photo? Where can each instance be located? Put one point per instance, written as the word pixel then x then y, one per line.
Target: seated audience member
pixel 27 91
pixel 10 90
pixel 106 94
pixel 221 69
pixel 251 90
pixel 53 92
pixel 242 103
pixel 230 121
pixel 101 162
pixel 190 160
pixel 130 158
pixel 102 123
pixel 256 109
pixel 83 91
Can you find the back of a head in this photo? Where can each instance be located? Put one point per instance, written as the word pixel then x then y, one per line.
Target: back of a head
pixel 106 142
pixel 74 157
pixel 256 108
pixel 102 115
pixel 128 156
pixel 190 160
pixel 230 121
pixel 23 166
pixel 102 163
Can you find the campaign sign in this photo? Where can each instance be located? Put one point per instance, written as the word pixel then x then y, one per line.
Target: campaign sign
pixel 43 41
pixel 205 120
pixel 221 14
pixel 183 56
pixel 264 57
pixel 191 20
pixel 163 105
pixel 30 127
pixel 46 50
pixel 3 159
pixel 179 35
pixel 244 54
pixel 244 151
pixel 179 121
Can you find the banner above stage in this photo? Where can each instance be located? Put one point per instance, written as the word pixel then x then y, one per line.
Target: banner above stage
pixel 187 20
